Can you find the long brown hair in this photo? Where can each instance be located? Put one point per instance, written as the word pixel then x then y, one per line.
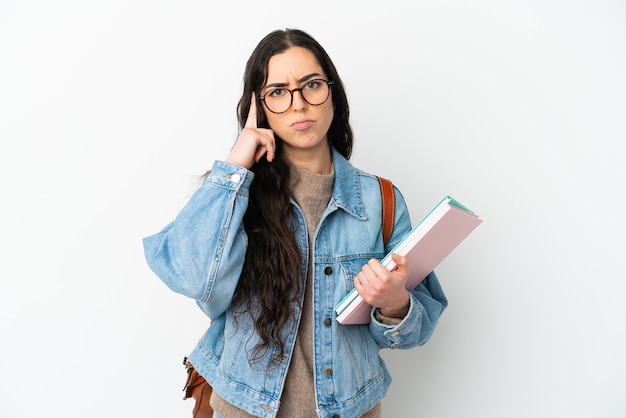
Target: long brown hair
pixel 272 278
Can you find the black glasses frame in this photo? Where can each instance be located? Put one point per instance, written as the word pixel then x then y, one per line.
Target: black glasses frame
pixel 292 91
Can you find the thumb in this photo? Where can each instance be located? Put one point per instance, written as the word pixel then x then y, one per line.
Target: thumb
pixel 401 262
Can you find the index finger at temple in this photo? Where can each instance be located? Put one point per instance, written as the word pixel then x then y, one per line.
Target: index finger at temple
pixel 251 120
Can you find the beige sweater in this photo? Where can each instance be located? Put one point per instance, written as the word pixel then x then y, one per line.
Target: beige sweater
pixel 312 192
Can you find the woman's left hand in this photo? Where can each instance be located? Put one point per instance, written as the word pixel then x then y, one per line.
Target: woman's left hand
pixel 385 289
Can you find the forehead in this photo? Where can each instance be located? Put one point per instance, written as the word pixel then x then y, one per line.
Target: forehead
pixel 294 63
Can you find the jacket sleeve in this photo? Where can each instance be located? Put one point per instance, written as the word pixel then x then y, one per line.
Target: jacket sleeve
pixel 200 254
pixel 427 300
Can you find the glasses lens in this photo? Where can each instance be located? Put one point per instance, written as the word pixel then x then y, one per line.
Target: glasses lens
pixel 315 92
pixel 278 100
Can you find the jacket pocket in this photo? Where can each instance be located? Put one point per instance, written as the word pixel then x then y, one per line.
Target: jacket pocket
pixel 352 266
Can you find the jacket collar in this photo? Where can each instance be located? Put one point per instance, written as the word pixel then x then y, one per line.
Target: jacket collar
pixel 347 189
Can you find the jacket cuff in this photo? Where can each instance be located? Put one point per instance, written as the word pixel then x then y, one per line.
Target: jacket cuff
pixel 396 330
pixel 229 175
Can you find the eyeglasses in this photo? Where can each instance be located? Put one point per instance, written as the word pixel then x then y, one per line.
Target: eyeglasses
pixel 314 92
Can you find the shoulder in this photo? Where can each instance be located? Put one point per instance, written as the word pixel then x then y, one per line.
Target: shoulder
pixel 371 182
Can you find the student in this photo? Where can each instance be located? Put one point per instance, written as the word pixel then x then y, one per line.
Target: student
pixel 277 234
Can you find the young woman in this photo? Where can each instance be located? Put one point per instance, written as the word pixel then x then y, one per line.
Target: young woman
pixel 276 236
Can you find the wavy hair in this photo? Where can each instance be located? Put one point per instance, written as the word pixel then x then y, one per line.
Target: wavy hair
pixel 272 280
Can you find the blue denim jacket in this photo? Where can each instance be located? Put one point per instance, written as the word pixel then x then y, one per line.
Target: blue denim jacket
pixel 200 255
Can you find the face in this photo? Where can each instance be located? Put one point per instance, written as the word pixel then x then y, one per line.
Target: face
pixel 303 127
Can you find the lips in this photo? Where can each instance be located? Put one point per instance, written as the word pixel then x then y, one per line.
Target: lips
pixel 302 124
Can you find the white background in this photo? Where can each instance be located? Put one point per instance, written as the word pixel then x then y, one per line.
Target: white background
pixel 110 109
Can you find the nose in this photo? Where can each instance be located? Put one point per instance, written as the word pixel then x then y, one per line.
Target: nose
pixel 297 101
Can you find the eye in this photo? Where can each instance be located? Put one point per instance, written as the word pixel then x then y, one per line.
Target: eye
pixel 312 85
pixel 276 93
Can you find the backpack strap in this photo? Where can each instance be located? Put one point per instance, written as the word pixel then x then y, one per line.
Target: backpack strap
pixel 389 207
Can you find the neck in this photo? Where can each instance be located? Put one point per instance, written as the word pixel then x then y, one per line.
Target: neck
pixel 319 160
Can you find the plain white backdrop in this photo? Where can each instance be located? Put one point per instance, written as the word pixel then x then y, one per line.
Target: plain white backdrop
pixel 109 110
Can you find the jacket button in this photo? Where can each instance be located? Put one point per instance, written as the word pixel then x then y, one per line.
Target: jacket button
pixel 328 321
pixel 328 270
pixel 329 372
pixel 336 416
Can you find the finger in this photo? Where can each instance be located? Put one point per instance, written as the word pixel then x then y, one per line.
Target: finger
pixel 359 284
pixel 367 286
pixel 261 150
pixel 271 147
pixel 266 145
pixel 401 262
pixel 377 268
pixel 366 276
pixel 251 119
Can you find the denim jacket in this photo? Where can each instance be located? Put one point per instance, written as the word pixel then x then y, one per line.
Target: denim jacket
pixel 200 255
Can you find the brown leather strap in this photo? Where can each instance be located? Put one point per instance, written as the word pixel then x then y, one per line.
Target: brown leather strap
pixel 389 207
pixel 198 389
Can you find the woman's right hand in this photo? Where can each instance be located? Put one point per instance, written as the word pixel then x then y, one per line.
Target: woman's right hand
pixel 253 142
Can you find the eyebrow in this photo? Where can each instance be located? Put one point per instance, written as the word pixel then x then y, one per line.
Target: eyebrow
pixel 300 81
